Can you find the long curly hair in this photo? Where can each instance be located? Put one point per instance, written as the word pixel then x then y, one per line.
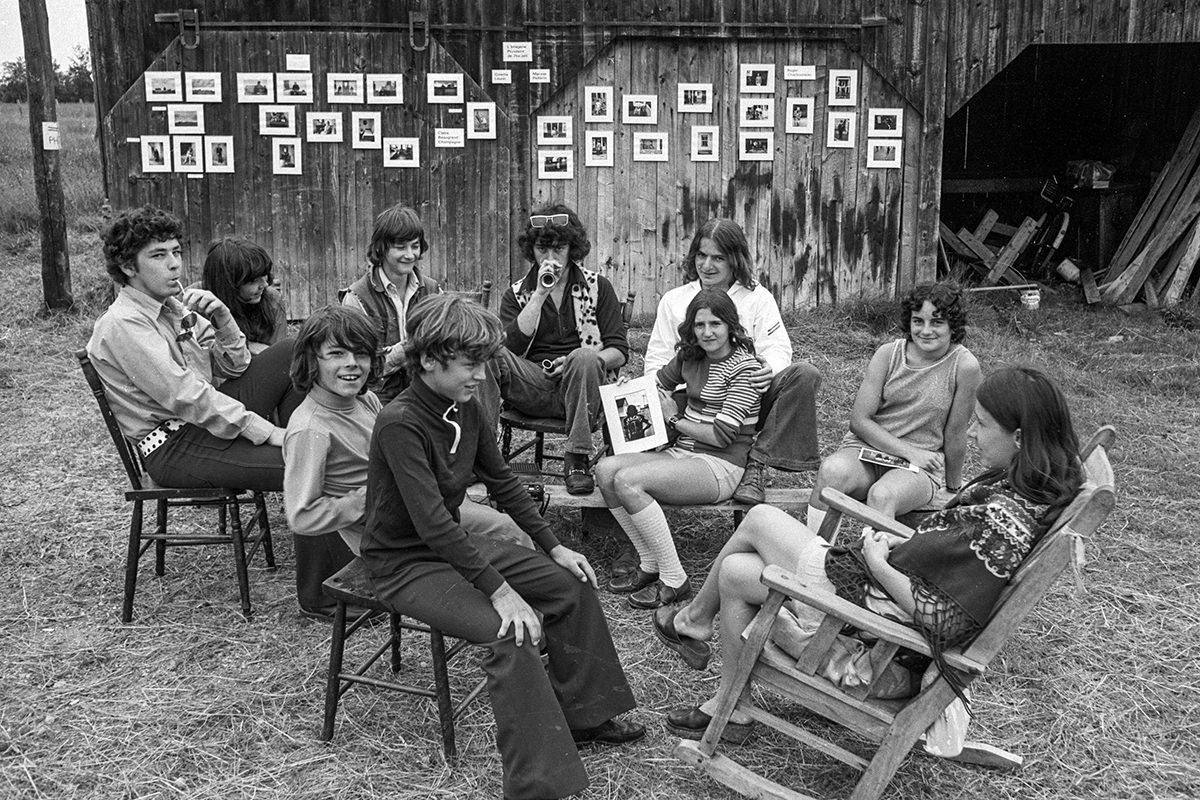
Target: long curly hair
pixel 231 263
pixel 573 234
pixel 721 305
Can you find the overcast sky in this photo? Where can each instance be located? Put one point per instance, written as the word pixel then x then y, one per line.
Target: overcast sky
pixel 68 27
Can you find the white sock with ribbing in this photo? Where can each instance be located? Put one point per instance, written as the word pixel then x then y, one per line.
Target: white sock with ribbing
pixel 814 518
pixel 652 524
pixel 648 564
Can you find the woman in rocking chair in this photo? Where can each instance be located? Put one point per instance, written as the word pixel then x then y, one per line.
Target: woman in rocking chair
pixel 944 581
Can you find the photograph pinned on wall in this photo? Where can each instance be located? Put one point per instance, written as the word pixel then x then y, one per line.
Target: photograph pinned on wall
pixel 294 87
pixel 841 131
pixel 156 153
pixel 344 87
pixel 256 87
pixel 706 143
pixel 286 157
pixel 401 151
pixel 554 130
pixel 277 120
pixel 188 153
pixel 164 87
pixel 185 118
pixel 883 154
pixel 843 87
pixel 885 123
pixel 366 128
pixel 756 78
pixel 444 87
pixel 756 145
pixel 650 147
pixel 598 104
pixel 695 98
pixel 598 149
pixel 218 153
pixel 556 165
pixel 639 109
pixel 202 87
pixel 633 415
pixel 481 120
pixel 385 88
pixel 799 117
pixel 756 112
pixel 323 126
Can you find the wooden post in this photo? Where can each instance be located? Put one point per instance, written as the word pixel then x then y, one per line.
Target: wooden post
pixel 929 187
pixel 39 71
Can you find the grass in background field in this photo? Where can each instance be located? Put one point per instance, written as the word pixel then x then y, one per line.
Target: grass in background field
pixel 79 166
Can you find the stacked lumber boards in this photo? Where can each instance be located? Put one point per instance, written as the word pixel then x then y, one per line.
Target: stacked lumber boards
pixel 1159 253
pixel 994 264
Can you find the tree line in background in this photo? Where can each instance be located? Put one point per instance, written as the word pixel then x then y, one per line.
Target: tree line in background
pixel 74 84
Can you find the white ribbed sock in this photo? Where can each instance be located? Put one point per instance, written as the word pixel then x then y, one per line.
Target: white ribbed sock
pixel 648 564
pixel 652 524
pixel 814 518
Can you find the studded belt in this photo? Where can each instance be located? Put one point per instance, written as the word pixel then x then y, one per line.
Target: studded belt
pixel 155 438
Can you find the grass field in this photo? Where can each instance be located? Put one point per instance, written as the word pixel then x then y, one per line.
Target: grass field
pixel 1099 691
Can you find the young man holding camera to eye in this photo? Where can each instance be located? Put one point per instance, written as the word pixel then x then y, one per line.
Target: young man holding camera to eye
pixel 564 338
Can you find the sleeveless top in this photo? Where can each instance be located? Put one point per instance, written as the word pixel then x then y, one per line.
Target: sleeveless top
pixel 915 401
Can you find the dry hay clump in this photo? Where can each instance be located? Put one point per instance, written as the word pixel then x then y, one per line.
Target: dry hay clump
pixel 1097 691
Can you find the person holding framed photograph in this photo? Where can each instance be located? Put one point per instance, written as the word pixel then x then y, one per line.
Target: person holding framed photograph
pixel 715 359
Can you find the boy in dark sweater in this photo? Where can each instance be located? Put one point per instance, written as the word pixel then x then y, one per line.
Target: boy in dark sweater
pixel 428 445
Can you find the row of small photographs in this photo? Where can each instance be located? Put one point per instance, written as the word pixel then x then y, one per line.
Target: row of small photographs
pixel 365 126
pixel 705 146
pixel 297 87
pixel 187 153
pixel 697 98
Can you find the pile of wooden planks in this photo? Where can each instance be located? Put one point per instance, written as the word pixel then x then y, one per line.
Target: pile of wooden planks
pixel 993 259
pixel 1157 257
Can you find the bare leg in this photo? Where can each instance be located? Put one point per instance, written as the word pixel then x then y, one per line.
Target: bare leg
pixel 899 491
pixel 843 471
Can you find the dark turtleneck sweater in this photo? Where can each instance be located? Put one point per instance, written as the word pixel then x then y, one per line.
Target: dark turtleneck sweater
pixel 415 485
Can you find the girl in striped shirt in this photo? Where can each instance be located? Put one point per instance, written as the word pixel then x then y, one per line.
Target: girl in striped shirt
pixel 715 359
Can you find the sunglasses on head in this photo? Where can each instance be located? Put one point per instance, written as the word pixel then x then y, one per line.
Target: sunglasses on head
pixel 542 220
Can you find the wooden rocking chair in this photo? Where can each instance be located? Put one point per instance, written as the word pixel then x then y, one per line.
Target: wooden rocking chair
pixel 896 725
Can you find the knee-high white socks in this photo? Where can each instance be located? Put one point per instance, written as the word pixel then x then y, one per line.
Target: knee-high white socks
pixel 651 535
pixel 814 518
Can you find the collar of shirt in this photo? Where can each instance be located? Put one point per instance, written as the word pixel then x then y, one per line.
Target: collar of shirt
pixel 328 399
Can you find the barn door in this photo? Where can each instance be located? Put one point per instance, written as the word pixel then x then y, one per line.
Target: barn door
pixel 317 223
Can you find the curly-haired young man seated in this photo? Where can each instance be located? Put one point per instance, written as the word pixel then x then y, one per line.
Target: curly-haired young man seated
pixel 429 444
pixel 564 336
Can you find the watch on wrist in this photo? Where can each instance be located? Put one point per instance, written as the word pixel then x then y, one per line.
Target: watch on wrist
pixel 673 421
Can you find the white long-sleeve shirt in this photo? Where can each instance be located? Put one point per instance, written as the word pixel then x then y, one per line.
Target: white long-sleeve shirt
pixel 757 311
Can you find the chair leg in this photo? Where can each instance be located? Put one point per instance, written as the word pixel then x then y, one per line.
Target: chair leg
pixel 239 551
pixel 506 441
pixel 333 684
pixel 132 555
pixel 160 545
pixel 260 505
pixel 437 648
pixel 394 625
pixel 539 451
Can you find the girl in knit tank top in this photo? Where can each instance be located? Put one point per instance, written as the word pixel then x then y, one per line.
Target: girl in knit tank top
pixel 915 404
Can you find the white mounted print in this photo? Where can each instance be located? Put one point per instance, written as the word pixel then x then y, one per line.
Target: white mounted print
pixel 344 87
pixel 706 143
pixel 639 109
pixel 185 118
pixel 164 87
pixel 401 151
pixel 294 87
pixel 799 115
pixel 756 78
pixel 883 153
pixel 156 153
pixel 188 153
pixel 256 87
pixel 385 88
pixel 843 87
pixel 367 133
pixel 598 104
pixel 444 87
pixel 650 147
pixel 885 123
pixel 481 120
pixel 202 87
pixel 277 120
pixel 323 126
pixel 756 112
pixel 286 158
pixel 218 153
pixel 554 130
pixel 694 98
pixel 556 165
pixel 756 145
pixel 841 130
pixel 598 149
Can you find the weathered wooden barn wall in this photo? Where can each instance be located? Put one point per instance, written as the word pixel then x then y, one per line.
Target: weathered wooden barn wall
pixel 317 225
pixel 821 225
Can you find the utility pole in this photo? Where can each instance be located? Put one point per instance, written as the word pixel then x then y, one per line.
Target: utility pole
pixel 43 133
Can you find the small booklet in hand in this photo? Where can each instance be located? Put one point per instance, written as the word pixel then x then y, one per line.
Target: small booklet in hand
pixel 633 415
pixel 872 456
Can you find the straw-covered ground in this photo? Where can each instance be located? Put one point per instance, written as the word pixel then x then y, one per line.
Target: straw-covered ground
pixel 1098 691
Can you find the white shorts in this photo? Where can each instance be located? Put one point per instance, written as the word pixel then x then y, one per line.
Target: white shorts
pixel 726 475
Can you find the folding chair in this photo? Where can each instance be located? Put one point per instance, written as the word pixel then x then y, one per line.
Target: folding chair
pixel 227 501
pixel 351 586
pixel 511 419
pixel 896 725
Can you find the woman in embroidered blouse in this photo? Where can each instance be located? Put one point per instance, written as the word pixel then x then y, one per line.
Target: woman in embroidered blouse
pixel 914 404
pixel 238 272
pixel 944 580
pixel 715 359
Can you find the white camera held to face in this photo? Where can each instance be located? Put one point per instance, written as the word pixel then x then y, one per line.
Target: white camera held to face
pixel 548 273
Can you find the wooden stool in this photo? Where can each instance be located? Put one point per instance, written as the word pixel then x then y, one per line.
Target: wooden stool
pixel 352 586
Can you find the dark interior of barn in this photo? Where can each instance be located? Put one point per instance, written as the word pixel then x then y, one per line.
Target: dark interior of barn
pixel 1124 105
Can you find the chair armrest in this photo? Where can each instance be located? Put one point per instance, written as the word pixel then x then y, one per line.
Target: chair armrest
pixel 864 513
pixel 776 579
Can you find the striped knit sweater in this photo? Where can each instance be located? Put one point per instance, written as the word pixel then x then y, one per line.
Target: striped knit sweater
pixel 718 394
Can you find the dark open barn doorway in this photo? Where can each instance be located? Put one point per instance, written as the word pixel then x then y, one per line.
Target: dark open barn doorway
pixel 1125 105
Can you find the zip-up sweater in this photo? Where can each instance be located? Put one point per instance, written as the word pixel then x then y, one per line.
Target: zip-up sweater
pixel 425 452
